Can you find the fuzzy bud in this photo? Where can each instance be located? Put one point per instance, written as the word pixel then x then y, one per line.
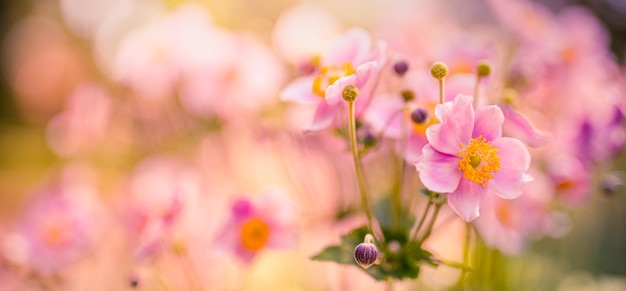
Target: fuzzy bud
pixel 350 93
pixel 366 253
pixel 439 70
pixel 419 115
pixel 483 69
pixel 400 67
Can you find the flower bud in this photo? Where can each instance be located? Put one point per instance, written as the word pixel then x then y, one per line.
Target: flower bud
pixel 350 93
pixel 401 67
pixel 419 115
pixel 407 95
pixel 483 69
pixel 439 70
pixel 366 253
pixel 611 184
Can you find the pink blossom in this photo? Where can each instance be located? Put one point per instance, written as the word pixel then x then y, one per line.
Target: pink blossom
pixel 467 157
pixel 266 223
pixel 350 60
pixel 59 225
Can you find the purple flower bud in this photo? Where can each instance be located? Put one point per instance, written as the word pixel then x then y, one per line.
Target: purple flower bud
pixel 401 67
pixel 366 253
pixel 419 115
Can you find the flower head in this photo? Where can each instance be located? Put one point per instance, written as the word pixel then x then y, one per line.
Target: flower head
pixel 257 225
pixel 466 157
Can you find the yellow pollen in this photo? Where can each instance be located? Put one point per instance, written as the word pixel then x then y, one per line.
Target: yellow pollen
pixel 329 75
pixel 479 161
pixel 254 234
pixel 54 233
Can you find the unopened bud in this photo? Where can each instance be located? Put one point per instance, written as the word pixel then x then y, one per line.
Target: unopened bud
pixel 483 69
pixel 366 253
pixel 401 67
pixel 611 183
pixel 419 115
pixel 350 93
pixel 407 95
pixel 439 70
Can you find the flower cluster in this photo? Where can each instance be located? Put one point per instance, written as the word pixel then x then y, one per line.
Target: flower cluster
pixel 433 146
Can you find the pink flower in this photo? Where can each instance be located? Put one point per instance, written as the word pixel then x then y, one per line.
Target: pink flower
pixel 467 157
pixel 258 225
pixel 349 61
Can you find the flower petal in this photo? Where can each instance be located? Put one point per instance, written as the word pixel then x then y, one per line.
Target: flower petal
pixel 300 91
pixel 324 115
pixel 466 200
pixel 509 181
pixel 519 126
pixel 488 122
pixel 457 123
pixel 438 171
pixel 364 72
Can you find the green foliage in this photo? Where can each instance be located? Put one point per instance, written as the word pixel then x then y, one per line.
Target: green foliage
pixel 400 257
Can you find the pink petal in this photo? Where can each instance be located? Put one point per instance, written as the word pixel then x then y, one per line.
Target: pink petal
pixel 488 122
pixel 457 123
pixel 324 115
pixel 509 181
pixel 334 92
pixel 350 47
pixel 301 91
pixel 466 200
pixel 364 72
pixel 414 145
pixel 518 125
pixel 386 114
pixel 437 171
pixel 281 238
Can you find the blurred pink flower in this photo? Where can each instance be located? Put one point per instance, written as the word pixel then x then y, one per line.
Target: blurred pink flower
pixel 509 225
pixel 350 60
pixel 59 227
pixel 257 225
pixel 158 192
pixel 467 157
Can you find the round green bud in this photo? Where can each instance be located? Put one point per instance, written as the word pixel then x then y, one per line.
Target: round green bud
pixel 483 69
pixel 350 93
pixel 439 70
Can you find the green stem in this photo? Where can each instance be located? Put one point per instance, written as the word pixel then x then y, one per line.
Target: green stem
pixel 466 247
pixel 476 87
pixel 357 164
pixel 423 218
pixel 429 229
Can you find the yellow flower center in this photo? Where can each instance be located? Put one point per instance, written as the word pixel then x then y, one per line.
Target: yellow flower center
pixel 329 75
pixel 479 161
pixel 254 234
pixel 54 233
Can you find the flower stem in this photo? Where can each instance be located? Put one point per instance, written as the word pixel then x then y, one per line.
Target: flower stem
pixel 441 88
pixel 423 218
pixel 429 229
pixel 466 247
pixel 357 164
pixel 476 88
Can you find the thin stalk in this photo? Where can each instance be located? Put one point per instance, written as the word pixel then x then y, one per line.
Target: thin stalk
pixel 357 164
pixel 429 229
pixel 423 218
pixel 466 247
pixel 441 91
pixel 476 88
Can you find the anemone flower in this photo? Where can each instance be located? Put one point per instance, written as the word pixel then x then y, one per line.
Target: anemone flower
pixel 467 157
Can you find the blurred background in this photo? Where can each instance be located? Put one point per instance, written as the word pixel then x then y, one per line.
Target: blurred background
pixel 94 99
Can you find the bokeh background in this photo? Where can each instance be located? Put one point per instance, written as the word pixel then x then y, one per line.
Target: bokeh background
pixel 52 47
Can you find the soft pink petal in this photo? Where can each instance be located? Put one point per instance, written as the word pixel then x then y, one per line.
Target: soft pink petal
pixel 457 123
pixel 519 126
pixel 466 200
pixel 334 92
pixel 386 114
pixel 323 118
pixel 364 72
pixel 350 47
pixel 414 145
pixel 282 238
pixel 509 181
pixel 488 122
pixel 300 91
pixel 437 171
